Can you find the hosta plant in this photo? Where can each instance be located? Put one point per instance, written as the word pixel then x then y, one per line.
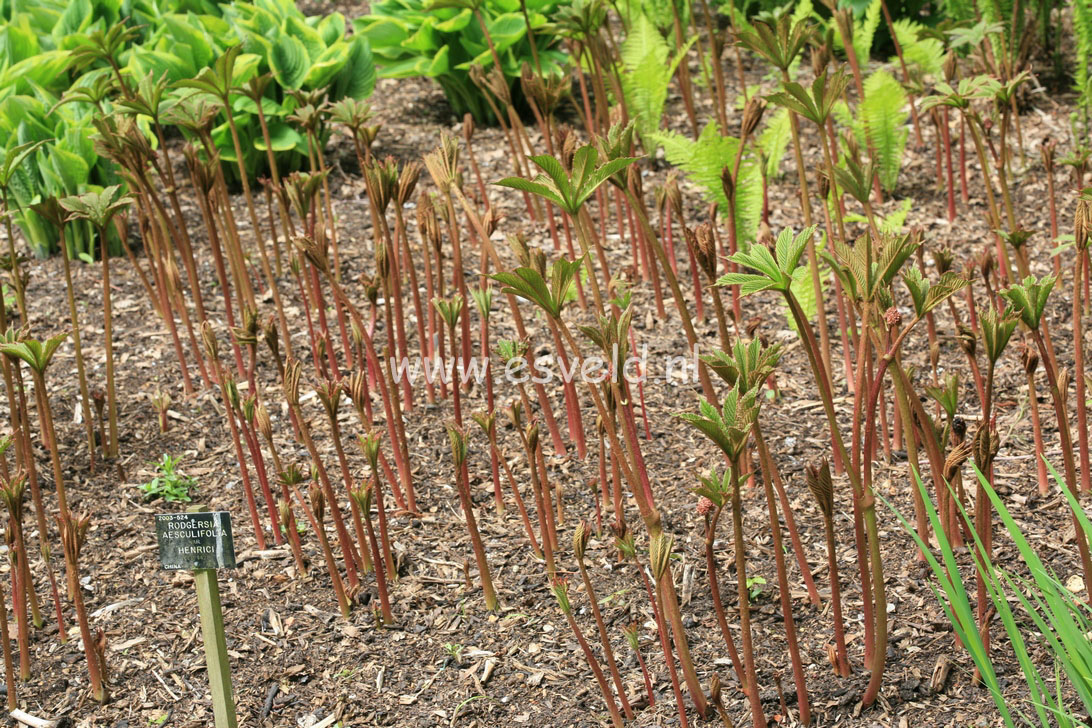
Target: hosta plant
pixel 442 39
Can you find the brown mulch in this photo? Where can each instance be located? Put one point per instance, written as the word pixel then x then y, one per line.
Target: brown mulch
pixel 448 661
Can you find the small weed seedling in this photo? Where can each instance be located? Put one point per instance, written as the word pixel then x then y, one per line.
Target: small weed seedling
pixel 168 484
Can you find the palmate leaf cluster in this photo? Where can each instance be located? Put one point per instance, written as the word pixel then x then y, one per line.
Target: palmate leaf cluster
pixel 442 39
pixel 47 53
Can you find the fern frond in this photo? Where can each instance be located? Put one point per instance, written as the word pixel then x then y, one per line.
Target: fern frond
pixel 774 141
pixel 647 73
pixel 882 117
pixel 703 159
pixel 957 10
pixel 925 52
pixel 1082 29
pixel 865 31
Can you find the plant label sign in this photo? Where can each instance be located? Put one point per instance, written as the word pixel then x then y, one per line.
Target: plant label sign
pixel 195 540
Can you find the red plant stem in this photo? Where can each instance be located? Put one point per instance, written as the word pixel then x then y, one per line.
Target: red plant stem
pixel 945 133
pixel 802 702
pixel 393 292
pixel 616 483
pixel 772 472
pixel 572 400
pixel 1066 442
pixel 864 354
pixel 641 384
pixel 963 159
pixel 94 667
pixel 1053 218
pixel 407 254
pixel 490 403
pixel 19 601
pixel 757 715
pixel 244 471
pixel 348 553
pixel 517 319
pixel 669 241
pixel 615 716
pixel 484 575
pixel 714 591
pixel 328 555
pixel 168 315
pixel 366 563
pixel 221 274
pixel 665 643
pixel 324 328
pixel 9 670
pixel 1037 429
pixel 642 493
pixel 320 366
pixel 644 675
pixel 1078 368
pixel 542 510
pixel 604 640
pixel 518 498
pixel 263 480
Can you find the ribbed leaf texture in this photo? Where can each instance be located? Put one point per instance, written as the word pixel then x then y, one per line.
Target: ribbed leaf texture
pixel 648 68
pixel 882 116
pixel 703 159
pixel 774 141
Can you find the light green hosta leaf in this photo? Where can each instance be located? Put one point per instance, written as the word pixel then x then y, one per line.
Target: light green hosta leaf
pixel 328 65
pixel 246 67
pixel 357 77
pixel 46 70
pixel 457 22
pixel 440 63
pixel 507 30
pixel 283 137
pixel 186 29
pixel 245 105
pixel 289 62
pixel 407 68
pixel 76 19
pixel 386 35
pixel 331 28
pixel 18 41
pixel 425 40
pixel 294 27
pixel 143 61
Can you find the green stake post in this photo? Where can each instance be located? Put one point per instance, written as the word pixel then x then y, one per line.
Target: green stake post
pixel 201 541
pixel 216 657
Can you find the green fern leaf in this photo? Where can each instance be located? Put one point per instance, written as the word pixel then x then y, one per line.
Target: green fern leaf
pixel 647 73
pixel 644 55
pixel 864 32
pixel 703 159
pixel 1082 29
pixel 774 141
pixel 925 52
pixel 882 117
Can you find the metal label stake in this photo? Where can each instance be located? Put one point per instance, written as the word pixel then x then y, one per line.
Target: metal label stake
pixel 201 541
